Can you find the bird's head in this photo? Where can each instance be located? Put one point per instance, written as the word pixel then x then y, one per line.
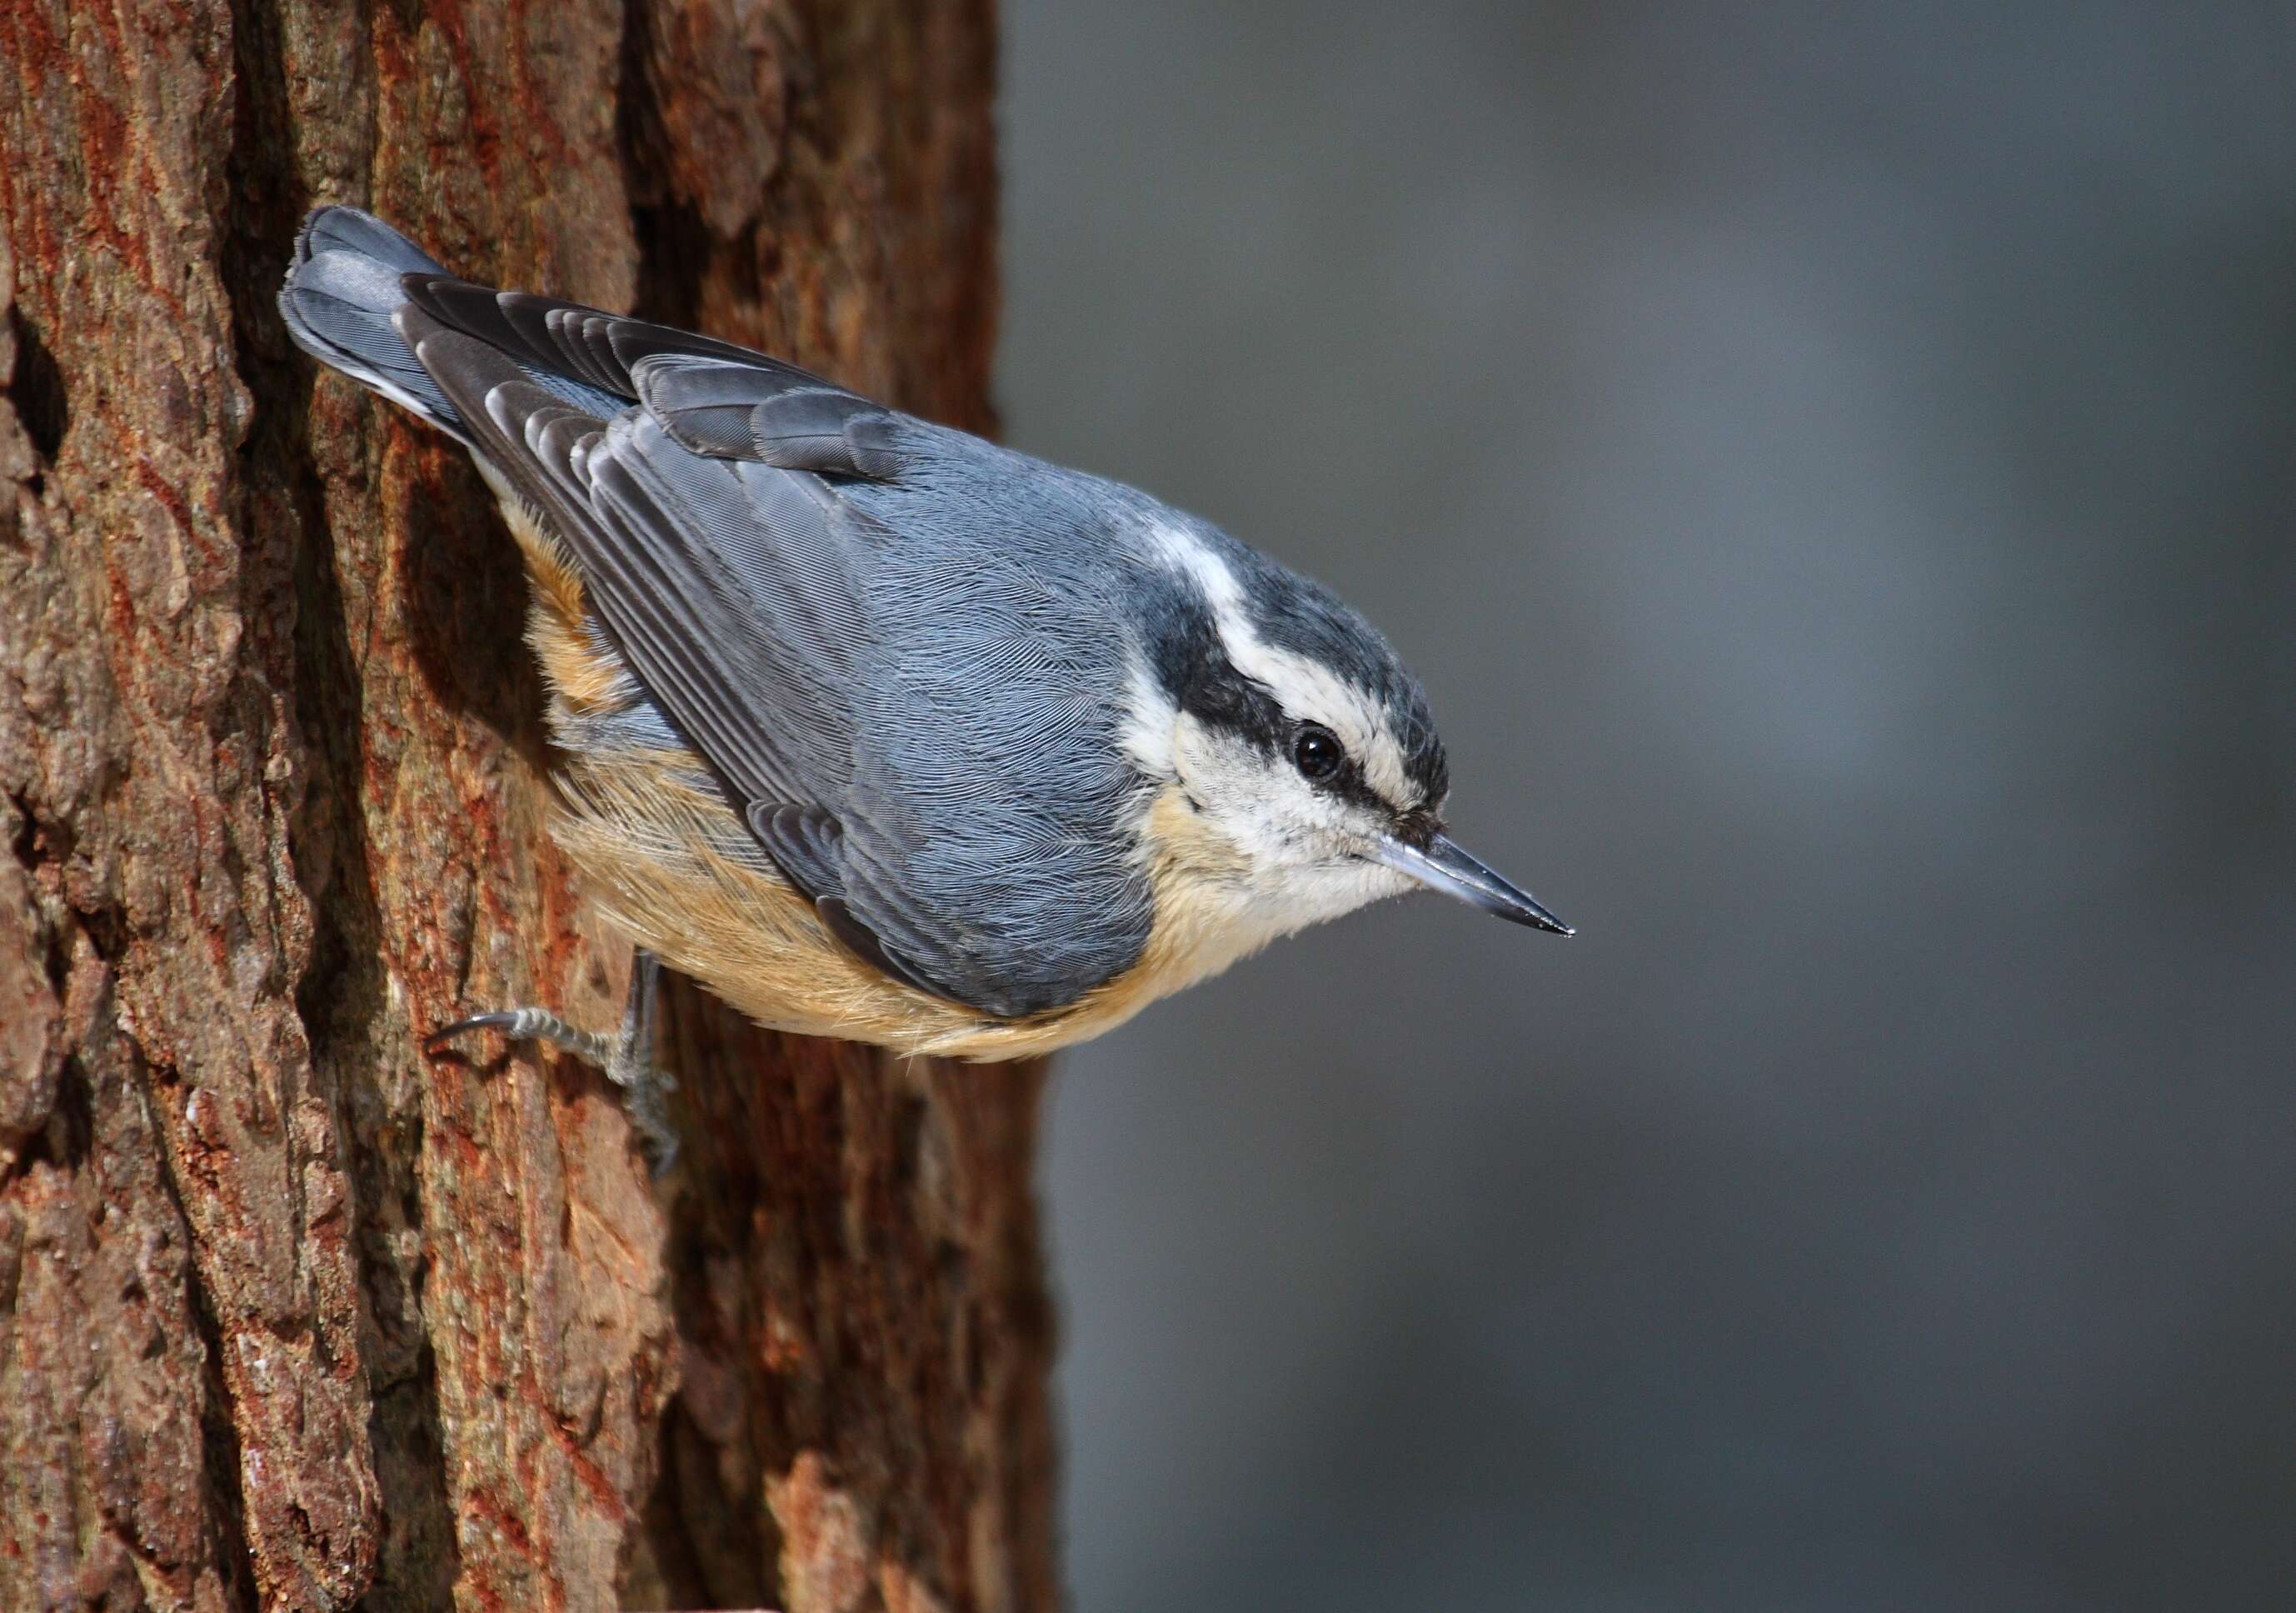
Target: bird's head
pixel 1301 774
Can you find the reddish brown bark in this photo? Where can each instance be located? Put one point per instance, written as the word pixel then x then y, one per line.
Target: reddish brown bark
pixel 289 1315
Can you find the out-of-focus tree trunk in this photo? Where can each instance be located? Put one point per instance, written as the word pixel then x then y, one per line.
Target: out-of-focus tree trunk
pixel 289 1315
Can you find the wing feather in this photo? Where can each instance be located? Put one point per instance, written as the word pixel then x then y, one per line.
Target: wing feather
pixel 907 772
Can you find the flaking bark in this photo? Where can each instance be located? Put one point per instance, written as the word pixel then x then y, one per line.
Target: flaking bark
pixel 289 1315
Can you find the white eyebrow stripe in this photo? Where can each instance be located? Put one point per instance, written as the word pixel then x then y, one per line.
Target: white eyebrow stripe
pixel 1305 688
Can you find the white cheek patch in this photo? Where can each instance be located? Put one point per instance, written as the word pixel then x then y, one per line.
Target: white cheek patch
pixel 1229 782
pixel 1283 825
pixel 1288 835
pixel 1301 686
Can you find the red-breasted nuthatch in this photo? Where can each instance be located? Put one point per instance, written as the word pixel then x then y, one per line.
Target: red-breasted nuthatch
pixel 876 729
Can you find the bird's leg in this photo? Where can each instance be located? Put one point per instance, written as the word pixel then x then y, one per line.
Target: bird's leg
pixel 626 1059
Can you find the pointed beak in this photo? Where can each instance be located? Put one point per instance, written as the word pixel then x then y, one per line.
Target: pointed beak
pixel 1449 867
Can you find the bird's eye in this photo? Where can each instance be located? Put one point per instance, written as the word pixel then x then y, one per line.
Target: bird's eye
pixel 1317 751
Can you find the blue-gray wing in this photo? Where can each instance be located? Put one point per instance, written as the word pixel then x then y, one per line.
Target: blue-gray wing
pixel 879 650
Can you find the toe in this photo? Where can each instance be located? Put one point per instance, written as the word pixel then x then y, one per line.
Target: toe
pixel 505 1020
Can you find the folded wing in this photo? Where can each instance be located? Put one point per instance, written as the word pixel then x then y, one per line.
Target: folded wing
pixel 784 620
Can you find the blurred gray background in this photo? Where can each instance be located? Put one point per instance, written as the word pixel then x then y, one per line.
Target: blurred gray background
pixel 1835 470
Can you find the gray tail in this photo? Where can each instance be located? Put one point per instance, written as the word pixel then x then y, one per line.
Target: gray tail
pixel 342 290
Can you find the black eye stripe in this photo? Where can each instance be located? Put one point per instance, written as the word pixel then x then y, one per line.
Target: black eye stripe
pixel 1349 785
pixel 1191 665
pixel 1347 780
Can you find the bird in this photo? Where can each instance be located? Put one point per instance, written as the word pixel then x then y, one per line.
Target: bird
pixel 876 729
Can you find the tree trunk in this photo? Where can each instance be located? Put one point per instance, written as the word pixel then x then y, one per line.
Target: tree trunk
pixel 292 1316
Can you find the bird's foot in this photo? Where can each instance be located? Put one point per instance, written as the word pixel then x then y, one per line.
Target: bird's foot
pixel 623 1058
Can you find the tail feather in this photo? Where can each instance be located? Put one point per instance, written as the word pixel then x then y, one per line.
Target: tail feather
pixel 344 229
pixel 342 290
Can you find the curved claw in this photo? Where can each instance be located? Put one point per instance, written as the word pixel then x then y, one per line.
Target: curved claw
pixel 531 1025
pixel 505 1021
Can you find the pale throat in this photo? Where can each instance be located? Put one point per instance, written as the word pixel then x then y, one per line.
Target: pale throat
pixel 1216 903
pixel 1241 849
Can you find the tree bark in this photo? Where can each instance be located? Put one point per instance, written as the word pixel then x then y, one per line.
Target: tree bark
pixel 292 1316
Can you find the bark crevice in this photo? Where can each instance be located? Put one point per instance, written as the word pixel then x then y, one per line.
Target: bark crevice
pixel 37 390
pixel 224 1514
